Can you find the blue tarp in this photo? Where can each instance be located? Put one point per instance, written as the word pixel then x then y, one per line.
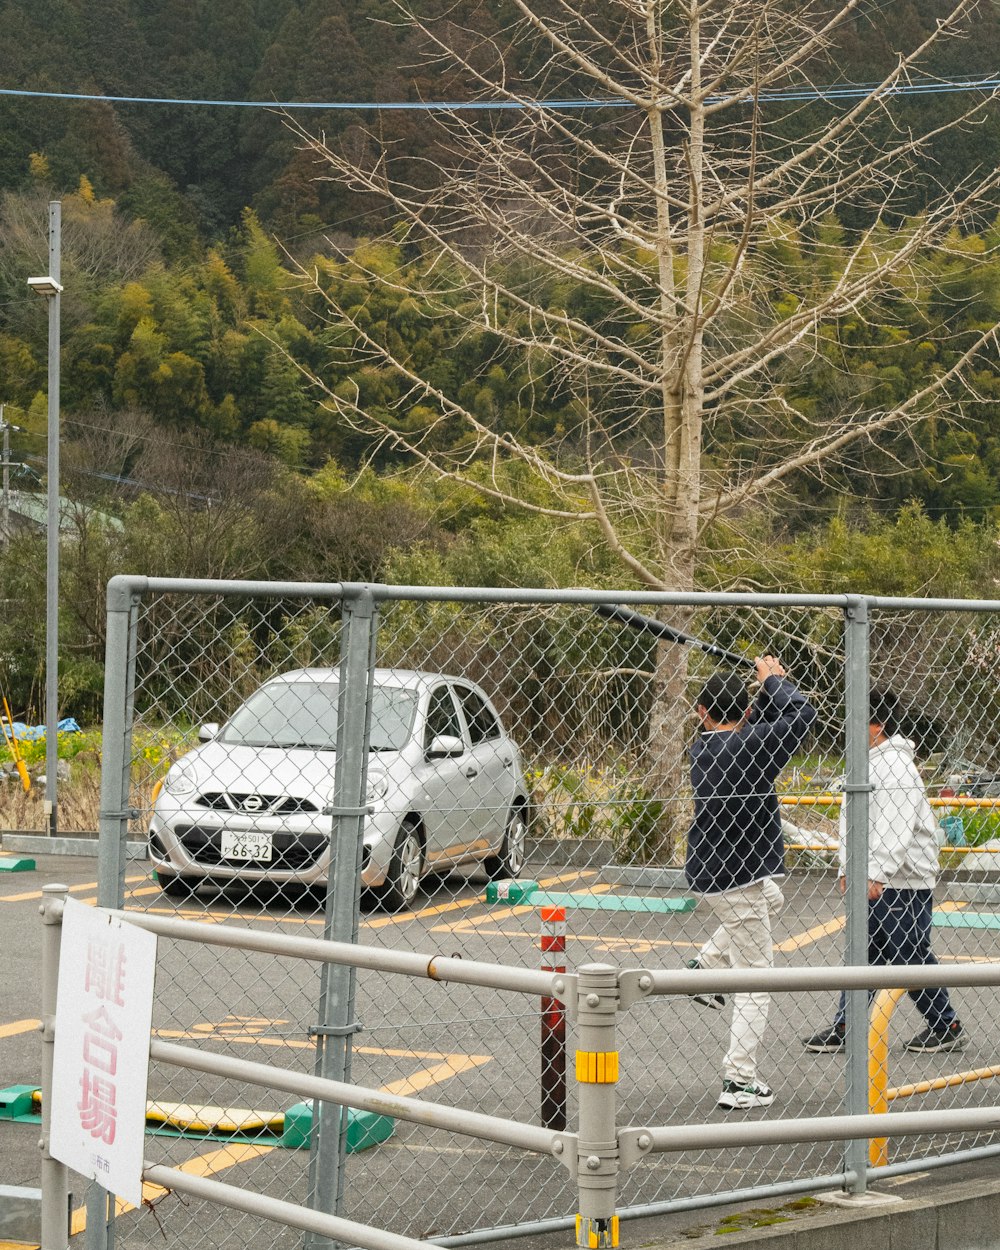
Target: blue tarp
pixel 32 733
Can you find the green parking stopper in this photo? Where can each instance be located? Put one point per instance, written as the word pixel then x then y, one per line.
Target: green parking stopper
pixel 511 891
pixel 16 863
pixel 364 1128
pixel 17 1103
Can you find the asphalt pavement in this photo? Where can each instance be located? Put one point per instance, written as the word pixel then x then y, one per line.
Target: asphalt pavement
pixel 467 1047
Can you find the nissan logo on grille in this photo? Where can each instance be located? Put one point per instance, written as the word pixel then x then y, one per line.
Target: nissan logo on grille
pixel 253 803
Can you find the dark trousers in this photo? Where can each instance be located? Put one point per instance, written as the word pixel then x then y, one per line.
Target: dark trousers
pixel 899 932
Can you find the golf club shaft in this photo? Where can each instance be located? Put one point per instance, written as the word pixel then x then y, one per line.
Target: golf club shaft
pixel 615 612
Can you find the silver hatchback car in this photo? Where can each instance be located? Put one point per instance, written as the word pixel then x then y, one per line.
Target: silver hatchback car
pixel 446 788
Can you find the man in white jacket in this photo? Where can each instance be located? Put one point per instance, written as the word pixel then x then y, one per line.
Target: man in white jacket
pixel 902 871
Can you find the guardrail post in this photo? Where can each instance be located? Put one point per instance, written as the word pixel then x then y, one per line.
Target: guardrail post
pixel 336 1024
pixel 856 790
pixel 597 1080
pixel 55 1181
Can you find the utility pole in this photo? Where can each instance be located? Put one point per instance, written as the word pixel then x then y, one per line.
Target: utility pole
pixel 50 288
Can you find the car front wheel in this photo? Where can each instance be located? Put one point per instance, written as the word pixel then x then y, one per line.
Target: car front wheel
pixel 402 880
pixel 510 861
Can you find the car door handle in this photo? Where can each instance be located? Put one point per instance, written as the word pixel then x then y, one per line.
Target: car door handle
pixel 508 763
pixel 471 771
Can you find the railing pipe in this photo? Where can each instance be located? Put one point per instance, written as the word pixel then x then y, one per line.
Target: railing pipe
pixel 327 1227
pixel 307 1085
pixel 408 963
pixel 822 1128
pixel 793 980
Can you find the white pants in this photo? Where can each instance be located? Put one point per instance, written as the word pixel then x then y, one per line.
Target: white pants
pixel 743 940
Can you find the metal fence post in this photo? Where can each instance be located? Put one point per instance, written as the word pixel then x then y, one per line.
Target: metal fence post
pixel 335 1024
pixel 116 771
pixel 55 1182
pixel 597 1093
pixel 856 789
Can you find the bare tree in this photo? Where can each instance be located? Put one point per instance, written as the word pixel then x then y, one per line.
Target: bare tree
pixel 673 260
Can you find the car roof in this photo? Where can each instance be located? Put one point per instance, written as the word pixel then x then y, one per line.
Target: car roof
pixel 404 678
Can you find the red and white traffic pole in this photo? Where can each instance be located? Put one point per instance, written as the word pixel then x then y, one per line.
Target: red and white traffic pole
pixel 553 1042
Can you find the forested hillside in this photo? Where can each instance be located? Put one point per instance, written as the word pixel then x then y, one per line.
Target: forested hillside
pixel 192 336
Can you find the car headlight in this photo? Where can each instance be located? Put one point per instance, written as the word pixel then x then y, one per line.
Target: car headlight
pixel 181 779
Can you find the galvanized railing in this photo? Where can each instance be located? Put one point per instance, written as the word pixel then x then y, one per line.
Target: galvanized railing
pixel 595 1154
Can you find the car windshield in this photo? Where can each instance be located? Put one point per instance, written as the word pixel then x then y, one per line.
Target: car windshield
pixel 304 714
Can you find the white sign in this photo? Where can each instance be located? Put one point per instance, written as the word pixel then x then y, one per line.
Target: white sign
pixel 101 1061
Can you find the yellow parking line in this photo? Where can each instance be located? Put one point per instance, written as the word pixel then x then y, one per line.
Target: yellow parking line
pixel 811 935
pixel 454 1066
pixel 201 1165
pixel 73 889
pixel 251 1039
pixel 460 904
pixel 230 1155
pixel 18 1026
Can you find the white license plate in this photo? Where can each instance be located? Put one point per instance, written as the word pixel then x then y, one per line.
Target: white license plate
pixel 250 846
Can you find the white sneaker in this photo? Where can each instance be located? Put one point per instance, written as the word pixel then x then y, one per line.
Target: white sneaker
pixel 737 1097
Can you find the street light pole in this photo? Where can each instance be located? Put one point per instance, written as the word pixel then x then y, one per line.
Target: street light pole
pixel 51 287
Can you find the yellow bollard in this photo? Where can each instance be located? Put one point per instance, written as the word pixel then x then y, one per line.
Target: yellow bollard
pixel 878 1068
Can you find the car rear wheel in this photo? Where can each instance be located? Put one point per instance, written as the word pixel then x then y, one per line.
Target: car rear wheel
pixel 402 880
pixel 510 861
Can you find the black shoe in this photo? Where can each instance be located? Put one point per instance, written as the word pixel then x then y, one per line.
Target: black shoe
pixel 737 1097
pixel 932 1040
pixel 715 1002
pixel 827 1041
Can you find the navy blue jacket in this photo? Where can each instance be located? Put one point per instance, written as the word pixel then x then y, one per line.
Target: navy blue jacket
pixel 736 836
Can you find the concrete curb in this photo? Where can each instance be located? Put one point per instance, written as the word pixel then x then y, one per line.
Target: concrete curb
pixel 963 1216
pixel 41 844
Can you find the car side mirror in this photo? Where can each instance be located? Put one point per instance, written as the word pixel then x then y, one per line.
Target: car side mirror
pixel 207 732
pixel 445 747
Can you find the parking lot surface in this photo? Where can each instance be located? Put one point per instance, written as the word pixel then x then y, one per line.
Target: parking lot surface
pixel 463 1046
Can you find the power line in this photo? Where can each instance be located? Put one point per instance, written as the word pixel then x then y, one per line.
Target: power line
pixel 823 94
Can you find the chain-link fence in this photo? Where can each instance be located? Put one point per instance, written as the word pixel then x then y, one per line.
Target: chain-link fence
pixel 524 751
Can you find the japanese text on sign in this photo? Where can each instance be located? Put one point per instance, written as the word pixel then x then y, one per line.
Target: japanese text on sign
pixel 103 1015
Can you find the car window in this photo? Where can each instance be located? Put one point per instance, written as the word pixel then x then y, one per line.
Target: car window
pixel 304 714
pixel 483 724
pixel 442 716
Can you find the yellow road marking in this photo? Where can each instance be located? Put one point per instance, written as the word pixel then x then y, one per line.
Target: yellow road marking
pixel 73 889
pixel 453 1066
pixel 228 1156
pixel 18 1026
pixel 201 1165
pixel 198 1033
pixel 460 904
pixel 799 940
pixel 811 935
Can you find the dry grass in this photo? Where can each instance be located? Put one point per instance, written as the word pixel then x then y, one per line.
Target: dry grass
pixel 79 803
